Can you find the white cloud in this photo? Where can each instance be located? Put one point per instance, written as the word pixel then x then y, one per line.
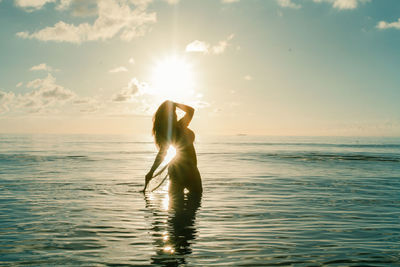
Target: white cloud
pixel 229 1
pixel 5 101
pixel 248 77
pixel 288 4
pixel 47 97
pixel 142 3
pixel 88 104
pixel 49 89
pixel 47 94
pixel 387 25
pixel 63 4
pixel 4 95
pixel 43 66
pixel 343 4
pixel 127 93
pixel 205 48
pixel 83 100
pixel 60 32
pixel 198 46
pixel 79 8
pixel 31 5
pixel 114 18
pixel 20 83
pixel 132 60
pixel 118 69
pixel 172 2
pixel 222 45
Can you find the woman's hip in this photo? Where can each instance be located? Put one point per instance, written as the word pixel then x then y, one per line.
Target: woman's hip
pixel 184 174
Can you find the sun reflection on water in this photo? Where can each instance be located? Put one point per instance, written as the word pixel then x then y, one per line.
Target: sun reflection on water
pixel 169 249
pixel 174 225
pixel 165 201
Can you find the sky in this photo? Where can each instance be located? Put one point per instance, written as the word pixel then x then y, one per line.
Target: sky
pixel 257 67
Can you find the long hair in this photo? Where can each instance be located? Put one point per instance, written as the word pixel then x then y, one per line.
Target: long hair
pixel 164 124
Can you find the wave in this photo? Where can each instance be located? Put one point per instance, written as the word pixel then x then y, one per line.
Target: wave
pixel 322 157
pixel 261 156
pixel 5 158
pixel 309 144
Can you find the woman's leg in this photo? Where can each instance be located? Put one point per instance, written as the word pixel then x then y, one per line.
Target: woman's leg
pixel 182 177
pixel 175 188
pixel 194 184
pixel 175 184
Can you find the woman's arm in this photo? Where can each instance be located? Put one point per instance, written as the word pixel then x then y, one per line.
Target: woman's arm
pixel 188 116
pixel 158 160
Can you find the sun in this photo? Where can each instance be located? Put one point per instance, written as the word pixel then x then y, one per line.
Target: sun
pixel 173 78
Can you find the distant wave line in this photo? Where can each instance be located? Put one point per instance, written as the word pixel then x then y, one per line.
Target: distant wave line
pixel 40 158
pixel 308 144
pixel 321 157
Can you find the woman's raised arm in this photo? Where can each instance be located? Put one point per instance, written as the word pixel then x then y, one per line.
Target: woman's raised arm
pixel 188 116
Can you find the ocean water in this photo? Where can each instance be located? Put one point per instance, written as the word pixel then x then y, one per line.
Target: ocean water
pixel 268 201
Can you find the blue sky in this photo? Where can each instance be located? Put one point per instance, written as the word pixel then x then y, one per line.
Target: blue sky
pixel 271 67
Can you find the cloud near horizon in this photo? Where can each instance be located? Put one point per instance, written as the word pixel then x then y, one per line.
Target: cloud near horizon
pixel 46 98
pixel 47 94
pixel 5 100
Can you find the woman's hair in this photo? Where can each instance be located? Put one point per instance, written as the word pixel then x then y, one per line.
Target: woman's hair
pixel 164 124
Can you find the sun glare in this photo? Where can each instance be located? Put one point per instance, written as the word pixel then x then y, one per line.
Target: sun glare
pixel 171 152
pixel 173 79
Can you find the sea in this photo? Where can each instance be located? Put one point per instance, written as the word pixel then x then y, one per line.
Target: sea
pixel 75 200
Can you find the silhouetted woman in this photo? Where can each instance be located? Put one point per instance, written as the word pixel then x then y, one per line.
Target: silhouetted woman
pixel 167 130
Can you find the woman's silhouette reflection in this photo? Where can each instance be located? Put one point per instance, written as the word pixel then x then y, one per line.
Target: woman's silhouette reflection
pixel 174 228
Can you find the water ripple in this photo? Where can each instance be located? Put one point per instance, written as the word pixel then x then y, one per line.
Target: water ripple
pixel 76 202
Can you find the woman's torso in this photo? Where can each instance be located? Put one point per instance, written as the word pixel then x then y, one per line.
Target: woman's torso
pixel 183 168
pixel 185 152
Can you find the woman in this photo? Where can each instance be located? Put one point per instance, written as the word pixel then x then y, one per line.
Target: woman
pixel 167 130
